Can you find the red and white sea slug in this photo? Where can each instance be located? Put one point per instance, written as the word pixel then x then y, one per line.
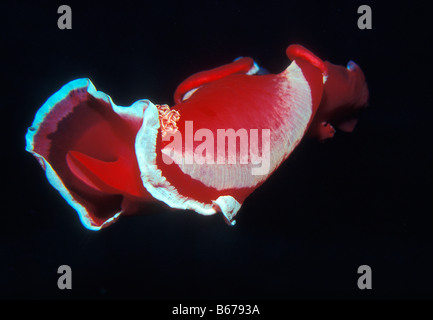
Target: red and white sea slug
pixel 229 129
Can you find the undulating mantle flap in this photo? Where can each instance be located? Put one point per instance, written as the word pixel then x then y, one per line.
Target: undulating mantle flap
pixel 229 129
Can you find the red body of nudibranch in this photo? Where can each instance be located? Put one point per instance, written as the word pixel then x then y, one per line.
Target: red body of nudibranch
pixel 230 129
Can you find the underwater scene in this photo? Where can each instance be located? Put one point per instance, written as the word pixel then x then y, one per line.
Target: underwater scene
pixel 216 151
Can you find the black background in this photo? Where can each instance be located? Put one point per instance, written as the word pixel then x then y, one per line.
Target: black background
pixel 360 198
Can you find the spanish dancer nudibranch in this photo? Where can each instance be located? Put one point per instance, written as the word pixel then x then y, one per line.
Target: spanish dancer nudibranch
pixel 229 130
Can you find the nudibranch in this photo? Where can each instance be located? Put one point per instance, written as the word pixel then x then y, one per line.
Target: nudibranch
pixel 229 130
